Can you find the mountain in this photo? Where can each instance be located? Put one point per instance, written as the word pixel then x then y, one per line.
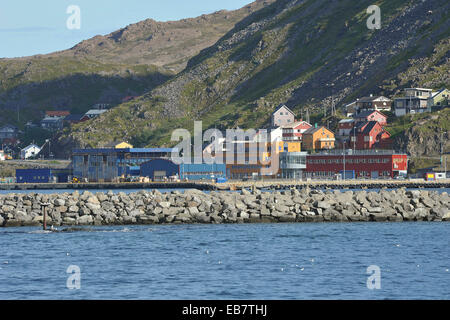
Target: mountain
pixel 165 44
pixel 105 69
pixel 307 54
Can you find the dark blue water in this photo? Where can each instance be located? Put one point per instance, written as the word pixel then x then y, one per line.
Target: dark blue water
pixel 258 261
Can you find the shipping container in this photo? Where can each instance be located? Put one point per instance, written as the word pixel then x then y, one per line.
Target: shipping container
pixel 349 174
pixel 33 175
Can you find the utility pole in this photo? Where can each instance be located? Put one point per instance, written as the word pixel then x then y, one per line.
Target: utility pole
pixel 343 150
pixel 443 156
pixel 307 116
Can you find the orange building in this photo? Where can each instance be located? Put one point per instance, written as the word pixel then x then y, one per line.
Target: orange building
pixel 265 162
pixel 318 139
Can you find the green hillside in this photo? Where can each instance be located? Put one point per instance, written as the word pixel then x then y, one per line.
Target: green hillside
pixel 28 87
pixel 105 69
pixel 302 53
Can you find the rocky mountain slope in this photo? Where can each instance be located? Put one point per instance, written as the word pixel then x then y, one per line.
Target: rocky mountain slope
pixel 105 69
pixel 423 134
pixel 165 44
pixel 305 53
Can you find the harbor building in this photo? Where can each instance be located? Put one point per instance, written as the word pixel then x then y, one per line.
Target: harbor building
pixel 292 164
pixel 109 164
pixel 369 164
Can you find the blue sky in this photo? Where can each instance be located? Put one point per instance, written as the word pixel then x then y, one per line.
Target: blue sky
pixel 30 27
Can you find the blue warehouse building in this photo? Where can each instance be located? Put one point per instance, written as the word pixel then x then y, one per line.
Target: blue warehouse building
pixel 42 175
pixel 160 168
pixel 33 175
pixel 108 164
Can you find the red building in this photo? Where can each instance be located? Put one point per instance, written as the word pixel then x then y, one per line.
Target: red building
pixel 294 132
pixel 369 135
pixel 371 115
pixel 361 164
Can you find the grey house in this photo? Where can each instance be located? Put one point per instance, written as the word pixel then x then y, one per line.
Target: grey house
pixel 282 116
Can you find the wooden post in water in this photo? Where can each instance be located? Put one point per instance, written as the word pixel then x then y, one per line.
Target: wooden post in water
pixel 44 209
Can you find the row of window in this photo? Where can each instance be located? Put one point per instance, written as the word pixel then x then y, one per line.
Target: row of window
pixel 36 178
pixel 358 173
pixel 349 160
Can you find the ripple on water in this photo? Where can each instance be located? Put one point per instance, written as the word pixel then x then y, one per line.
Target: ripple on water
pixel 295 261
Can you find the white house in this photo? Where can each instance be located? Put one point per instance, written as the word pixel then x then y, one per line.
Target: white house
pixel 8 131
pixel 414 101
pixel 93 113
pixel 28 152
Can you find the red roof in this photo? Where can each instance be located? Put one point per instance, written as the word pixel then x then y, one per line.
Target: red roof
pixel 57 113
pixel 128 98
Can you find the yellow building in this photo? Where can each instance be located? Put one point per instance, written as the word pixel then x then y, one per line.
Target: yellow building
pixel 119 145
pixel 318 139
pixel 439 98
pixel 292 147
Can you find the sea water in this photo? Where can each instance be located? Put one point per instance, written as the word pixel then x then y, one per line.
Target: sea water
pixel 248 261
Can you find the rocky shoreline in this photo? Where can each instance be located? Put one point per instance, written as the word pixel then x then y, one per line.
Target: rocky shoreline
pixel 193 206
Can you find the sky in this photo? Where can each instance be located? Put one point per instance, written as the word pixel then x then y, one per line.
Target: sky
pixel 29 27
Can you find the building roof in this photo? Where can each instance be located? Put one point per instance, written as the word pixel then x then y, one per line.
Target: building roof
pixel 31 146
pixel 347 120
pixel 367 127
pixel 51 119
pixel 438 92
pixel 373 98
pixel 283 106
pixel 57 113
pixel 115 144
pixel 131 150
pixel 366 113
pixel 419 89
pixel 295 124
pixel 8 127
pixel 74 117
pixel 313 130
pixel 94 112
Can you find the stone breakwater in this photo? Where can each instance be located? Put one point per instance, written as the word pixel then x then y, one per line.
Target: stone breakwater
pixel 192 206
